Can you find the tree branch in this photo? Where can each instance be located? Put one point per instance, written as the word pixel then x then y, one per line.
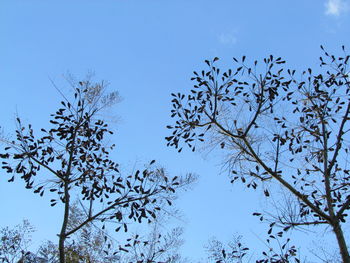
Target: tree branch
pixel 339 138
pixel 90 219
pixel 45 166
pixel 286 184
pixel 252 153
pixel 343 208
pixel 305 223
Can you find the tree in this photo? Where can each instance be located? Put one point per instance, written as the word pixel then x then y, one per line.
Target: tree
pixel 233 252
pixel 236 252
pixel 155 248
pixel 71 158
pixel 49 251
pixel 14 242
pixel 90 244
pixel 276 127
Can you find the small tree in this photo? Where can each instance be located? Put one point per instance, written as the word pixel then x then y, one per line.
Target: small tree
pixel 233 252
pixel 71 158
pixel 90 244
pixel 236 252
pixel 155 247
pixel 14 242
pixel 276 127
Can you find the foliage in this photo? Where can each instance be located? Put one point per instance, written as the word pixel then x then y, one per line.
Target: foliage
pixel 71 158
pixel 277 127
pixel 154 248
pixel 14 242
pixel 89 244
pixel 234 251
pixel 237 252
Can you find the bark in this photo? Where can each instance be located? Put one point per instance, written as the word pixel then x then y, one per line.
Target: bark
pixel 344 252
pixel 63 234
pixel 66 181
pixel 327 171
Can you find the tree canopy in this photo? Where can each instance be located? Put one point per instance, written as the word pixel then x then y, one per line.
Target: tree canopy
pixel 276 125
pixel 71 159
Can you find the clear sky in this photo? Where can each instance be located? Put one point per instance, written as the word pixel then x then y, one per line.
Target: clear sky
pixel 146 50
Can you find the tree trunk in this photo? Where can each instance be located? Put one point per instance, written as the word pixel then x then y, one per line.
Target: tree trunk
pixel 62 236
pixel 341 243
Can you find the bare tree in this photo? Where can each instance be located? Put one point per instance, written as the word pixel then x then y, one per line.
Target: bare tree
pixel 71 158
pixel 276 127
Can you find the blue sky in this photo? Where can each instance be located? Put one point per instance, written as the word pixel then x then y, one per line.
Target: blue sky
pixel 146 50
